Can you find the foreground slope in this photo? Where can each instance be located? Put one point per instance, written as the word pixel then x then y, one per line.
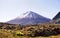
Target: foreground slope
pixel 29 31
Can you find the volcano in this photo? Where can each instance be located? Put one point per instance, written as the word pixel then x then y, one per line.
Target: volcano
pixel 29 18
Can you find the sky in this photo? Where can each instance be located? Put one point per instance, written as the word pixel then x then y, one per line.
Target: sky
pixel 10 9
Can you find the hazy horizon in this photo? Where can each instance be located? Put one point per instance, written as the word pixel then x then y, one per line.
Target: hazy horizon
pixel 10 9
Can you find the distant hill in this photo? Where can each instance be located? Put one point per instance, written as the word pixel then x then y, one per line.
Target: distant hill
pixel 56 19
pixel 57 16
pixel 29 18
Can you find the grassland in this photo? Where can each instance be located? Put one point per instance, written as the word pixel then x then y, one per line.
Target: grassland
pixel 10 34
pixel 30 31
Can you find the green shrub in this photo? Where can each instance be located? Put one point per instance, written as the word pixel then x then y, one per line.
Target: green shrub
pixel 19 33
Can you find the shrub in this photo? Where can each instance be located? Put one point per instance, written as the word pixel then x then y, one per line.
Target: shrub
pixel 19 33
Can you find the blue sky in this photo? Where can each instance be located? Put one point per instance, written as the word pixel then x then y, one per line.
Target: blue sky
pixel 10 9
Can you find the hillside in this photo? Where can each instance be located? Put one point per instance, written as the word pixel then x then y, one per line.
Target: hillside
pixel 56 19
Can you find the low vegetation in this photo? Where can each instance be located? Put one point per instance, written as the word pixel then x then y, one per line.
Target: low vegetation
pixel 29 31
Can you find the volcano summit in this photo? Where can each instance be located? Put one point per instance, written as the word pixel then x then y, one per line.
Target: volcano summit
pixel 29 18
